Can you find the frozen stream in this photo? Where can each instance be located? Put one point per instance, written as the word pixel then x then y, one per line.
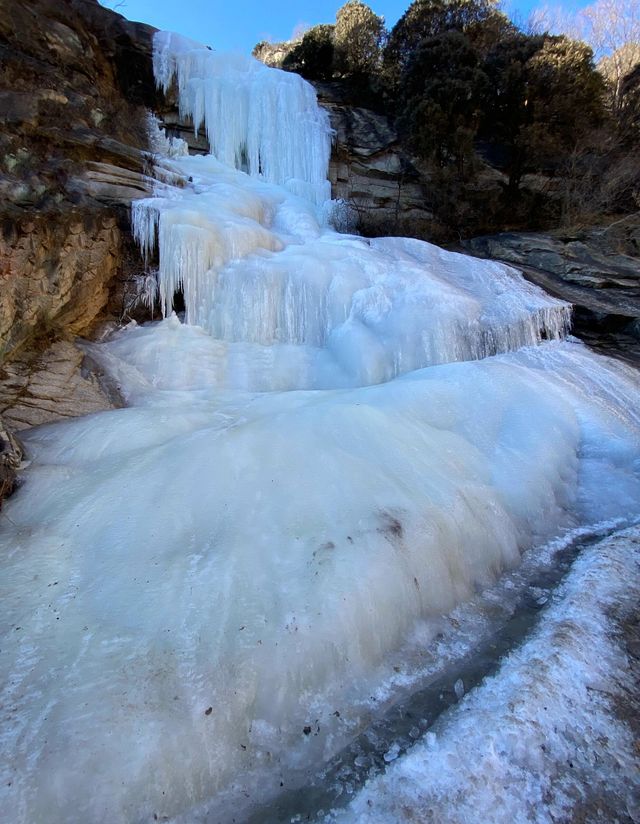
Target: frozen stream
pixel 344 441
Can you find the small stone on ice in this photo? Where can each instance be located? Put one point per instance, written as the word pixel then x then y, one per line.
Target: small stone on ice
pixel 392 753
pixel 458 688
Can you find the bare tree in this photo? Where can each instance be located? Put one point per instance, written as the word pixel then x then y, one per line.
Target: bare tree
pixel 610 27
pixel 114 5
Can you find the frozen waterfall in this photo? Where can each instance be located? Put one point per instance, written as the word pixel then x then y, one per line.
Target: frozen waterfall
pixel 342 440
pixel 264 120
pixel 258 266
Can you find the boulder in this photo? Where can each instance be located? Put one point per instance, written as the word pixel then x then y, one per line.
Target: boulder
pixel 60 382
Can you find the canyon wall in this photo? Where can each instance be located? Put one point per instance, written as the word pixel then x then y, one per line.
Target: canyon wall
pixel 75 83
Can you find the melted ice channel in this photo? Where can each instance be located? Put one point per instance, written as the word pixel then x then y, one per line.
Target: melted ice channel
pixel 344 438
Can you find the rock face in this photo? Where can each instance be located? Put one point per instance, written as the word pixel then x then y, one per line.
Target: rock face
pixel 55 271
pixel 75 78
pixel 59 383
pixel 10 459
pixel 371 172
pixel 598 270
pixel 75 81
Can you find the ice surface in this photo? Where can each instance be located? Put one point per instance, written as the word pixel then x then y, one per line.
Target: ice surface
pixel 260 553
pixel 322 456
pixel 540 740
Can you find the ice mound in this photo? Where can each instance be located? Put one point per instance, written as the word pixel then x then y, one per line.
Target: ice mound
pixel 259 554
pixel 540 740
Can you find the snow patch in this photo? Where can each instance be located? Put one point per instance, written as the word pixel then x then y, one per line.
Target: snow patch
pixel 540 740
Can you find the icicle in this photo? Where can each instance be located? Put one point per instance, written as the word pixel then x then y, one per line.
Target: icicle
pixel 259 119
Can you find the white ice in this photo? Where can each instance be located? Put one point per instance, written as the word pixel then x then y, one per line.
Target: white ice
pixel 257 553
pixel 256 265
pixel 544 740
pixel 346 437
pixel 264 120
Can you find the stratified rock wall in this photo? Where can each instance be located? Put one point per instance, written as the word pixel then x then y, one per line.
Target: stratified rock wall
pixel 370 170
pixel 75 83
pixel 75 80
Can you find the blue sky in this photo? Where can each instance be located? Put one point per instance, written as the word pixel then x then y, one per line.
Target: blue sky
pixel 231 25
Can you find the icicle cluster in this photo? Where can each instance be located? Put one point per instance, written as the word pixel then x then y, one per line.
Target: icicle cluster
pixel 261 120
pixel 255 267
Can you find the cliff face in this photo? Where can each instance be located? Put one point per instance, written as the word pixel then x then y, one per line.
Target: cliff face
pixel 74 84
pixel 370 170
pixel 75 81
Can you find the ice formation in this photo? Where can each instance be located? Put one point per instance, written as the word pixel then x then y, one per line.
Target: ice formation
pixel 264 120
pixel 256 266
pixel 542 737
pixel 344 437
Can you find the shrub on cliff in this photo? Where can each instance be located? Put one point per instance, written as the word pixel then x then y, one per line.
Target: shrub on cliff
pixel 313 57
pixel 545 97
pixel 358 36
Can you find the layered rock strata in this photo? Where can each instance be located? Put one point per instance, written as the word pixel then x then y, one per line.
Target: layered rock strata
pixel 73 89
pixel 596 269
pixel 75 83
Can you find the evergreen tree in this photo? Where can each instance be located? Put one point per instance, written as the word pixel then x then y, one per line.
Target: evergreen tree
pixel 358 36
pixel 313 57
pixel 442 91
pixel 430 18
pixel 544 96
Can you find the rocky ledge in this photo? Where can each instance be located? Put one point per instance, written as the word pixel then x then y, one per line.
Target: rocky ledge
pixel 596 269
